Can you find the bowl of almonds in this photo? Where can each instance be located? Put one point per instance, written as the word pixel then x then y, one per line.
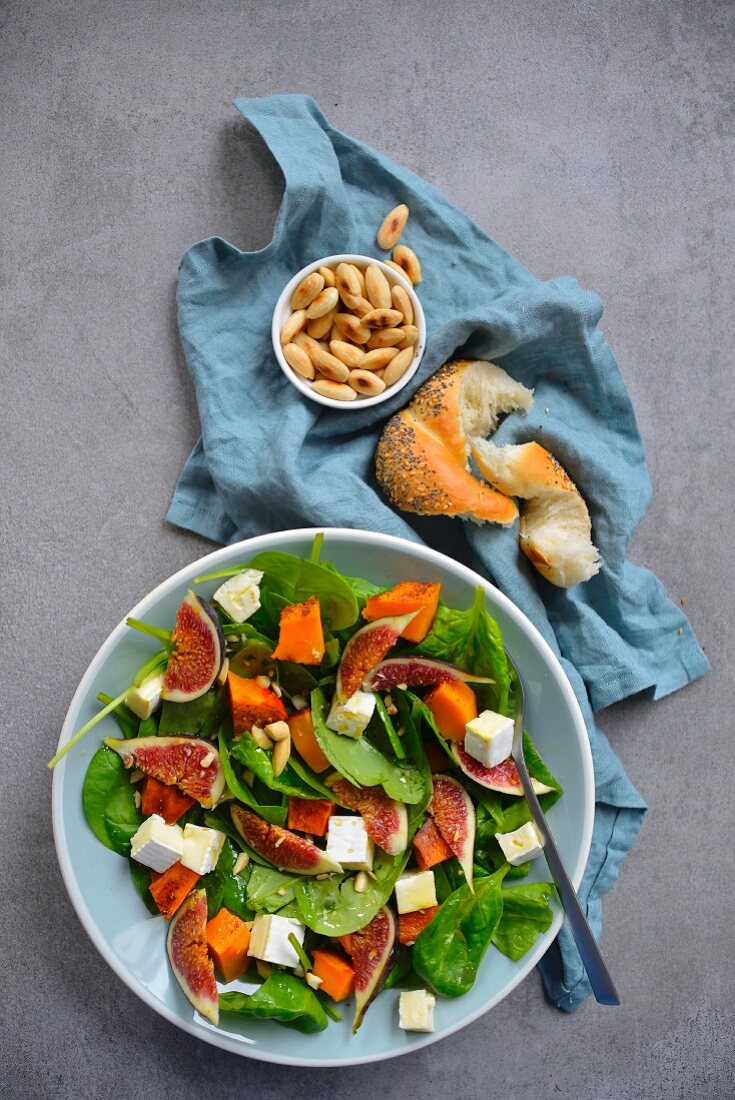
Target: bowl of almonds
pixel 349 330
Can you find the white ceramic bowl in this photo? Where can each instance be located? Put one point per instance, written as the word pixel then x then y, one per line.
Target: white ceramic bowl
pixel 132 941
pixel 283 311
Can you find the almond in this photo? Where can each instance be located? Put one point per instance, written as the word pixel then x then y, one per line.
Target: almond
pixel 377 287
pixel 386 338
pixel 299 361
pixel 320 326
pixel 407 259
pixel 333 389
pixel 382 318
pixel 347 280
pixel 396 268
pixel 328 275
pixel 352 328
pixel 376 360
pixel 402 300
pixel 393 225
pixel 348 353
pixel 357 304
pixel 410 336
pixel 293 326
pixel 366 383
pixel 325 301
pixel 326 363
pixel 307 290
pixel 281 753
pixel 398 366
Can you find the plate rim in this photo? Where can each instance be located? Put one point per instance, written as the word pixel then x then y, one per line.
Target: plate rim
pixel 221 1039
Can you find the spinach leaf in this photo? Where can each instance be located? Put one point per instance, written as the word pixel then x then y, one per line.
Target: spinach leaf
pixel 472 640
pixel 364 765
pixel 198 716
pixel 250 755
pixel 295 679
pixel 149 726
pixel 410 710
pixel 275 814
pixel 269 890
pixel 402 974
pixel 253 658
pixel 235 897
pixel 141 877
pixel 332 906
pixel 215 881
pixel 107 797
pixel 449 950
pixel 526 914
pixel 295 580
pixel 282 997
pixel 126 720
pixel 363 589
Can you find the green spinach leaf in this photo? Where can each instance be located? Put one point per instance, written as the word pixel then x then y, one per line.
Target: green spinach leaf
pixel 526 915
pixel 109 805
pixel 199 716
pixel 128 722
pixel 235 896
pixel 282 997
pixel 215 881
pixel 269 890
pixel 275 814
pixel 295 580
pixel 141 877
pixel 332 906
pixel 250 755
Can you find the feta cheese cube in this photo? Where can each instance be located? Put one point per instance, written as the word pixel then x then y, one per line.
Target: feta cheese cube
pixel 239 596
pixel 146 699
pixel 414 891
pixel 522 844
pixel 156 844
pixel 269 939
pixel 489 738
pixel 416 1010
pixel 351 717
pixel 349 844
pixel 202 848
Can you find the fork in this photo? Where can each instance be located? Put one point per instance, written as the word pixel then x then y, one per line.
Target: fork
pixel 597 972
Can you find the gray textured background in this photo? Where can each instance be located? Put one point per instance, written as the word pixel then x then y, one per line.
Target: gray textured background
pixel 591 140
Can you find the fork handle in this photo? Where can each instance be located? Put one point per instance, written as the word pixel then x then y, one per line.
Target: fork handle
pixel 598 974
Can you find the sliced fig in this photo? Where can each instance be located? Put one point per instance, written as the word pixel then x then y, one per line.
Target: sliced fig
pixel 454 816
pixel 365 650
pixel 186 944
pixel 284 849
pixel 503 777
pixel 386 820
pixel 417 672
pixel 373 950
pixel 198 651
pixel 188 763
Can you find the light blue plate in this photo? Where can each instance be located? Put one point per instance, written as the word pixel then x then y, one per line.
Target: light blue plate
pixel 132 941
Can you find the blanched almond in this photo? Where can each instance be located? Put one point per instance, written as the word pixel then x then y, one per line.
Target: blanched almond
pixel 396 268
pixel 393 225
pixel 398 367
pixel 377 287
pixel 333 389
pixel 366 383
pixel 402 300
pixel 382 318
pixel 307 290
pixel 347 280
pixel 410 336
pixel 361 277
pixel 293 326
pixel 352 328
pixel 281 753
pixel 385 338
pixel 328 275
pixel 326 363
pixel 348 353
pixel 320 326
pixel 325 301
pixel 407 259
pixel 376 360
pixel 359 305
pixel 298 360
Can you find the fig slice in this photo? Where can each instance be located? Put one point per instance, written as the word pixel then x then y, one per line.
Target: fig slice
pixel 365 649
pixel 373 950
pixel 503 777
pixel 454 816
pixel 188 763
pixel 198 650
pixel 186 945
pixel 417 672
pixel 386 820
pixel 284 849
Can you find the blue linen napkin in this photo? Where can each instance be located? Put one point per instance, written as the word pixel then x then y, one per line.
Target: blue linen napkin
pixel 269 459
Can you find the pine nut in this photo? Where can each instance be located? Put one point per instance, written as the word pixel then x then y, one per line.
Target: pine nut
pixel 385 338
pixel 398 367
pixel 241 863
pixel 328 365
pixel 407 259
pixel 410 336
pixel 299 361
pixel 401 300
pixel 377 287
pixel 366 383
pixel 376 360
pixel 328 275
pixel 352 328
pixel 277 730
pixel 347 280
pixel 281 753
pixel 361 881
pixel 320 326
pixel 324 302
pixel 382 318
pixel 333 389
pixel 392 226
pixel 348 353
pixel 307 290
pixel 261 738
pixel 313 981
pixel 293 326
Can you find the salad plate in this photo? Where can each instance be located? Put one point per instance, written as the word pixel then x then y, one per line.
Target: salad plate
pixel 131 940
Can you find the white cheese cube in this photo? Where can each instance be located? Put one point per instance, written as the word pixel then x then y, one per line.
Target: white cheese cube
pixel 269 939
pixel 414 891
pixel 522 844
pixel 416 1010
pixel 349 844
pixel 146 699
pixel 156 844
pixel 351 717
pixel 489 738
pixel 239 596
pixel 202 848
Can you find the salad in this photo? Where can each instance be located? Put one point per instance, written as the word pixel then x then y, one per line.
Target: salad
pixel 312 785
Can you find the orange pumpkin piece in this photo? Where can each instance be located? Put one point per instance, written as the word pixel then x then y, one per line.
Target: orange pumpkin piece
pixel 453 705
pixel 345 943
pixel 300 633
pixel 338 977
pixel 438 760
pixel 430 846
pixel 163 799
pixel 251 704
pixel 410 924
pixel 309 815
pixel 172 887
pixel 228 939
pixel 304 738
pixel 406 597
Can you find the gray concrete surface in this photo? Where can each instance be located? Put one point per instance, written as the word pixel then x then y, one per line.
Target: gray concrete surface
pixel 590 139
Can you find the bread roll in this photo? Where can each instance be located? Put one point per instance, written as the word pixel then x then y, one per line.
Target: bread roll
pixel 556 531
